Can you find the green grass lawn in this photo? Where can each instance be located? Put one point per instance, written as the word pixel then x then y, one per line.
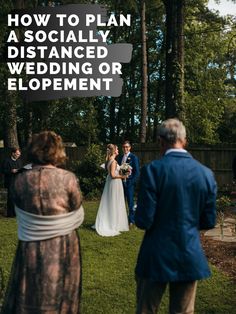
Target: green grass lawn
pixel 108 271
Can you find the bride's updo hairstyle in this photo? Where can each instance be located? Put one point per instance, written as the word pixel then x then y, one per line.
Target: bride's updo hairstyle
pixel 110 151
pixel 46 148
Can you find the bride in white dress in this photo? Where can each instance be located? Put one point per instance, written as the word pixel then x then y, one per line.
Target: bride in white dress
pixel 112 215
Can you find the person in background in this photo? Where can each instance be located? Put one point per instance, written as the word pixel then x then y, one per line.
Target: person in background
pixel 10 167
pixel 46 272
pixel 177 198
pixel 130 182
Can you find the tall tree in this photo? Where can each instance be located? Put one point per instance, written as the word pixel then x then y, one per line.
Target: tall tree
pixel 143 129
pixel 180 59
pixel 10 130
pixel 174 57
pixel 10 121
pixel 205 71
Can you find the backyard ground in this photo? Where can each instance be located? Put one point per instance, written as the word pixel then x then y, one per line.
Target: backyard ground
pixel 222 254
pixel 108 270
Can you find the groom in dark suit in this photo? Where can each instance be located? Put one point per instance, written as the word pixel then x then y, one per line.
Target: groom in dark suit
pixel 129 183
pixel 176 199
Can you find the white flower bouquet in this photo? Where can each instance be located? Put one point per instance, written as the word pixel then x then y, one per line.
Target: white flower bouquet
pixel 125 169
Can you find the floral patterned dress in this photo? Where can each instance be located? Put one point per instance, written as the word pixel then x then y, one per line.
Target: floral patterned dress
pixel 46 275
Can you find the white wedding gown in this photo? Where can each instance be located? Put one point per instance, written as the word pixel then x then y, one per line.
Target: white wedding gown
pixel 112 215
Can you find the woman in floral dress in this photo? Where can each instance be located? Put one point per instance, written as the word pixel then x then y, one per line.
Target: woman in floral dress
pixel 46 274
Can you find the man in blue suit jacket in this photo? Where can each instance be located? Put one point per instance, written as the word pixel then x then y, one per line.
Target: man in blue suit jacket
pixel 176 199
pixel 129 183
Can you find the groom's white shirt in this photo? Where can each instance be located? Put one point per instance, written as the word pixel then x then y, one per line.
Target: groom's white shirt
pixel 125 158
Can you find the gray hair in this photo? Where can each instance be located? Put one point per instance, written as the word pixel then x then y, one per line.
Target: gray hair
pixel 172 130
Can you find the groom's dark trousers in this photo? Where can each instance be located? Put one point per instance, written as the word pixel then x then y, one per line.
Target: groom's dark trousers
pixel 129 195
pixel 129 183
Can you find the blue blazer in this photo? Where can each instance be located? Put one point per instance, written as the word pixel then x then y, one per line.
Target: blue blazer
pixel 177 198
pixel 133 161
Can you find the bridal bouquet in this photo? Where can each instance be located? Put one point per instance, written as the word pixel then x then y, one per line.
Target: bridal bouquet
pixel 125 169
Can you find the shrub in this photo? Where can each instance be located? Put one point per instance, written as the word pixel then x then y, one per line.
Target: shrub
pixel 91 175
pixel 222 203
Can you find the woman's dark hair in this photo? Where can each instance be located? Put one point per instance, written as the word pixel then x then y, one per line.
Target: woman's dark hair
pixel 46 148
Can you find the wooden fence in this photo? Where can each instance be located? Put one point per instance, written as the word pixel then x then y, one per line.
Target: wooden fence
pixel 217 157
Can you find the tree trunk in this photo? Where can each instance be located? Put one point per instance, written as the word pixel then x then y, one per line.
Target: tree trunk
pixel 180 58
pixel 159 96
pixel 170 109
pixel 19 4
pixel 112 119
pixel 149 102
pixel 11 136
pixel 174 91
pixel 144 75
pixel 28 122
pixel 132 102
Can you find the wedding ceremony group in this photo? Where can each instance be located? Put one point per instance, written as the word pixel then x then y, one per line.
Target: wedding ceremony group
pixel 118 198
pixel 176 199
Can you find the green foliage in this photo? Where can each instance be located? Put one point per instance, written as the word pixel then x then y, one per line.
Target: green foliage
pixel 7 249
pixel 108 271
pixel 206 71
pixel 227 130
pixel 90 173
pixel 203 117
pixel 222 203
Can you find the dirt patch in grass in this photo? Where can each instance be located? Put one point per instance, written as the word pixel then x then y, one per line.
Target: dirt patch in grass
pixel 221 254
